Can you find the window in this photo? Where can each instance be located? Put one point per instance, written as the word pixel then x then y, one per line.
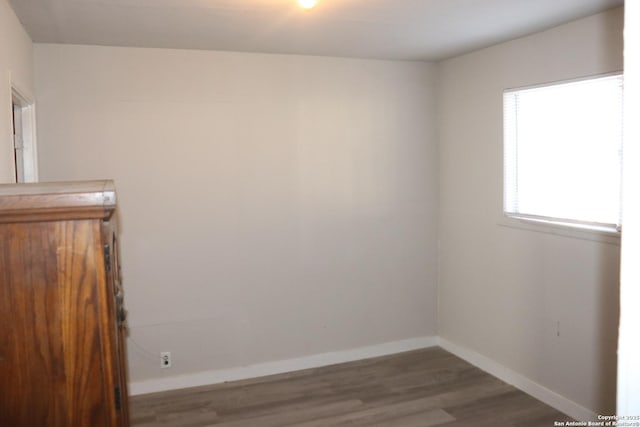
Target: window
pixel 563 153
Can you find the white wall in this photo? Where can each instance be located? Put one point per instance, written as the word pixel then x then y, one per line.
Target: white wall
pixel 16 69
pixel 503 290
pixel 271 206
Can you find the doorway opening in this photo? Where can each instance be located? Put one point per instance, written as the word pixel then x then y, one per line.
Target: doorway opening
pixel 24 142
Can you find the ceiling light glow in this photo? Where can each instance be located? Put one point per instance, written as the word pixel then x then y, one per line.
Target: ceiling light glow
pixel 307 4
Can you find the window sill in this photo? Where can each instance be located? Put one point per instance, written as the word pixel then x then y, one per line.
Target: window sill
pixel 602 235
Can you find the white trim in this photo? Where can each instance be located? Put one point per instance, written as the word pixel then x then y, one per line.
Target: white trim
pixel 567 81
pixel 519 381
pixel 593 227
pixel 559 229
pixel 628 403
pixel 278 367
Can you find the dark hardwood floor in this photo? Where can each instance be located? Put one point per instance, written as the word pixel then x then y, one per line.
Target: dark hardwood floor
pixel 429 387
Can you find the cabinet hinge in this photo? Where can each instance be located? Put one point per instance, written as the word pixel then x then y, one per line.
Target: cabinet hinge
pixel 117 398
pixel 107 258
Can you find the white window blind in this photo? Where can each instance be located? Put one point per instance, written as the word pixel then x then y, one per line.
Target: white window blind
pixel 563 152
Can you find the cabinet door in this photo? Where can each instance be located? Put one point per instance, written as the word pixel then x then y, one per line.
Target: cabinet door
pixel 51 340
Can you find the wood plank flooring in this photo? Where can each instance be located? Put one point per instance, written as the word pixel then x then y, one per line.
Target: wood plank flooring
pixel 429 387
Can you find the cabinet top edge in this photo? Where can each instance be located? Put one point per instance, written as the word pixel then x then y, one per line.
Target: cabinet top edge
pixel 57 200
pixel 62 187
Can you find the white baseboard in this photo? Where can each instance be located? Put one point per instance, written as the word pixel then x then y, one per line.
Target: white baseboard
pixel 519 381
pixel 278 367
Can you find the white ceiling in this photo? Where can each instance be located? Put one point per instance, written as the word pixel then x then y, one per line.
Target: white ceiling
pixel 384 29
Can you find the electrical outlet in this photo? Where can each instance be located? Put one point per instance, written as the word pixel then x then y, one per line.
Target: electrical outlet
pixel 165 359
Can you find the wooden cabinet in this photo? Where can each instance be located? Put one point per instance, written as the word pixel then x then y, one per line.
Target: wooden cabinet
pixel 62 354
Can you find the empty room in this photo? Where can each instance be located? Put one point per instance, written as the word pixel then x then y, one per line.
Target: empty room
pixel 318 213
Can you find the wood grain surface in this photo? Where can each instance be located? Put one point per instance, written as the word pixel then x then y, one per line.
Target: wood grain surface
pixel 50 344
pixel 421 388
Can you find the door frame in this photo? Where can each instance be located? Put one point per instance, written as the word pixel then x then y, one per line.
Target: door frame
pixel 24 106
